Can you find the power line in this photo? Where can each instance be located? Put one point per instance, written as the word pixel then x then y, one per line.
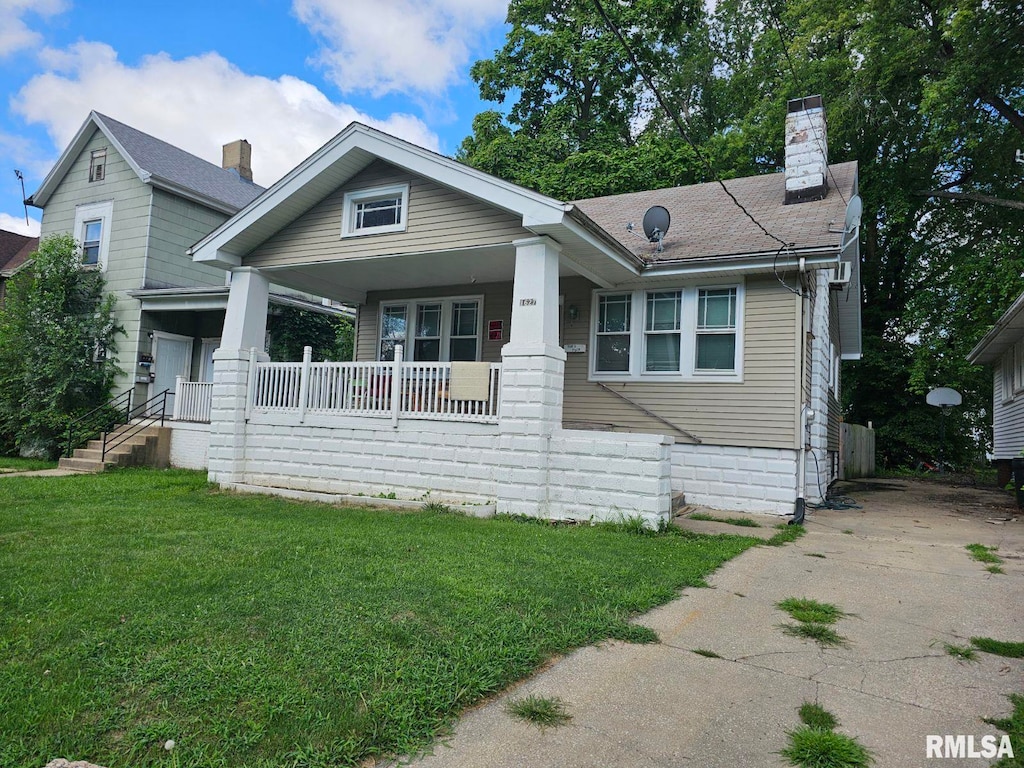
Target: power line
pixel 679 125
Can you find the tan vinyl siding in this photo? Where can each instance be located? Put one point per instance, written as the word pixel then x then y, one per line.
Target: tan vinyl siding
pixel 497 305
pixel 129 232
pixel 438 219
pixel 757 412
pixel 1007 419
pixel 176 225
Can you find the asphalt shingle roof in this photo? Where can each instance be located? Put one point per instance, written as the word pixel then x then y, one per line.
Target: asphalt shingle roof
pixel 15 249
pixel 179 167
pixel 706 223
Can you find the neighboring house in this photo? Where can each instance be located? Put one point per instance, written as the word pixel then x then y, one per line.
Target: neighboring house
pixel 135 204
pixel 554 364
pixel 1003 349
pixel 15 251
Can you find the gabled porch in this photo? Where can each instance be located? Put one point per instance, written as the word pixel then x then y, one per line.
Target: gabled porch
pixel 464 430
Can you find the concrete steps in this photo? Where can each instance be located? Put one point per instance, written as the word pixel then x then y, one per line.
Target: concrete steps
pixel 149 447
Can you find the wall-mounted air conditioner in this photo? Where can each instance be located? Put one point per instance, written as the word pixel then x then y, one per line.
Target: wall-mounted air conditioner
pixel 840 276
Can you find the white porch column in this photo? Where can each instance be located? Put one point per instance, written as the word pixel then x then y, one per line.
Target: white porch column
pixel 533 367
pixel 243 340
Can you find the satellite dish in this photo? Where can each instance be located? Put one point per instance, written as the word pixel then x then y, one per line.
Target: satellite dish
pixel 854 209
pixel 656 222
pixel 944 397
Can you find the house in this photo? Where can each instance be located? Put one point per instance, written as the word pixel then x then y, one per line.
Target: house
pixel 15 252
pixel 536 355
pixel 136 204
pixel 1003 349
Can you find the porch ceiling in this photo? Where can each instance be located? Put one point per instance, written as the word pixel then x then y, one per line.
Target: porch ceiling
pixel 349 280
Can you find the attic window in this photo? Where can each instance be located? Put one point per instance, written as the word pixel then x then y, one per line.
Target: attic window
pixel 98 164
pixel 375 211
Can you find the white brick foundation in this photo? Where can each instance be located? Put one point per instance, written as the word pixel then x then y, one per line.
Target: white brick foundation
pixel 190 445
pixel 741 479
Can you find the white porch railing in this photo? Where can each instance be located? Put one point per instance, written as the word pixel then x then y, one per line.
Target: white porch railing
pixel 382 389
pixel 192 400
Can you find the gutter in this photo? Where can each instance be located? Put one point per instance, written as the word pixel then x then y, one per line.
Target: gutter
pixel 1001 325
pixel 800 258
pixel 190 194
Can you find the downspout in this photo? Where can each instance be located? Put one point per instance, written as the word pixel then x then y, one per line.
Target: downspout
pixel 806 414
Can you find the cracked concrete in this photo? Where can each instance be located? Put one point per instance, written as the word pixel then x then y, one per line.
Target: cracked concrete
pixel 898 566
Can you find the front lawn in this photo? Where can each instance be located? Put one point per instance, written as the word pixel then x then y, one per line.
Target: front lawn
pixel 25 465
pixel 140 606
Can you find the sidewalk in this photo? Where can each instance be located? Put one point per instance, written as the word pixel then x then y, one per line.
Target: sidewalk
pixel 899 565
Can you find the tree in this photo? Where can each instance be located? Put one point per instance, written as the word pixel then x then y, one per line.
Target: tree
pixel 290 329
pixel 927 95
pixel 58 348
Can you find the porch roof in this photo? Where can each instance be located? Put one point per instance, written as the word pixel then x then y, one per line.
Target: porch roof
pixel 211 298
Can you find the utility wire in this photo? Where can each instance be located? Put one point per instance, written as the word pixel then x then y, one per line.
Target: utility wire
pixel 679 125
pixel 777 24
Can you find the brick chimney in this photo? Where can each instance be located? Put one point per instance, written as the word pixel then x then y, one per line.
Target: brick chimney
pixel 237 157
pixel 806 150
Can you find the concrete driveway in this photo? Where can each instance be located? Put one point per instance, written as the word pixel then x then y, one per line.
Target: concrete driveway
pixel 898 565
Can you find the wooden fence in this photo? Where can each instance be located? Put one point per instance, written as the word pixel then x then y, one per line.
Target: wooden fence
pixel 857 451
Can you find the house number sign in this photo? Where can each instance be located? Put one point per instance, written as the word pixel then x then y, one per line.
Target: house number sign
pixel 527 302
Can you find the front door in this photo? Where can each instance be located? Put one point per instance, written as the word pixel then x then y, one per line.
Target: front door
pixel 172 357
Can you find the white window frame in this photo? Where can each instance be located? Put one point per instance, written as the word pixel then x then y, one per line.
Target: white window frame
pixel 411 306
pixel 1018 367
pixel 98 165
pixel 688 336
pixel 1006 372
pixel 90 212
pixel 355 197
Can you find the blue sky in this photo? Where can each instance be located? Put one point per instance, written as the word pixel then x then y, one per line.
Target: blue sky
pixel 285 76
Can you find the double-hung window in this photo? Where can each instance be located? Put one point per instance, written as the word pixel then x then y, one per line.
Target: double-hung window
pixel 92 231
pixel 432 330
pixel 716 329
pixel 614 312
pixel 375 211
pixel 693 333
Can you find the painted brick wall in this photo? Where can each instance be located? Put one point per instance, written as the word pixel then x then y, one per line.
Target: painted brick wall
pixel 741 479
pixel 190 445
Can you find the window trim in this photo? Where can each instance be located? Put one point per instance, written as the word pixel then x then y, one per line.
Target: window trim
pixel 354 197
pixel 88 213
pixel 99 155
pixel 411 307
pixel 688 370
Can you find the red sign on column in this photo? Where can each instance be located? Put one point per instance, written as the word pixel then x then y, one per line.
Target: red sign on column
pixel 495 330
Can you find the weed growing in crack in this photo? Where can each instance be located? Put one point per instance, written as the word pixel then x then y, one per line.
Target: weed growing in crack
pixel 542 711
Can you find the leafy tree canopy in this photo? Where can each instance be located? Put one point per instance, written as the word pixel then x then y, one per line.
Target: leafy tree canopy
pixel 58 348
pixel 927 96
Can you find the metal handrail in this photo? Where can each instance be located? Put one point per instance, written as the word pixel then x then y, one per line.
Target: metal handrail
pixel 99 420
pixel 144 422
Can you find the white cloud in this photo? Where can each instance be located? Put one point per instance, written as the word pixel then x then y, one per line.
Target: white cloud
pixel 17 224
pixel 15 34
pixel 198 104
pixel 407 46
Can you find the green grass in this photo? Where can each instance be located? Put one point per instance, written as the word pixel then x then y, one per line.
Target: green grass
pixel 806 610
pixel 707 653
pixel 965 652
pixel 999 647
pixel 848 531
pixel 25 465
pixel 544 712
pixel 984 554
pixel 994 569
pixel 139 606
pixel 742 522
pixel 786 534
pixel 1014 726
pixel 816 716
pixel 817 748
pixel 814 554
pixel 822 634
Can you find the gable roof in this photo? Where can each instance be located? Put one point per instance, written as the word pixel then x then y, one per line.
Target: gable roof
pixel 1007 330
pixel 15 250
pixel 706 223
pixel 158 163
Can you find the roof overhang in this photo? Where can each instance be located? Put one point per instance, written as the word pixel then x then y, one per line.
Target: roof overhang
pixel 1004 334
pixel 339 160
pixel 215 298
pixel 737 265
